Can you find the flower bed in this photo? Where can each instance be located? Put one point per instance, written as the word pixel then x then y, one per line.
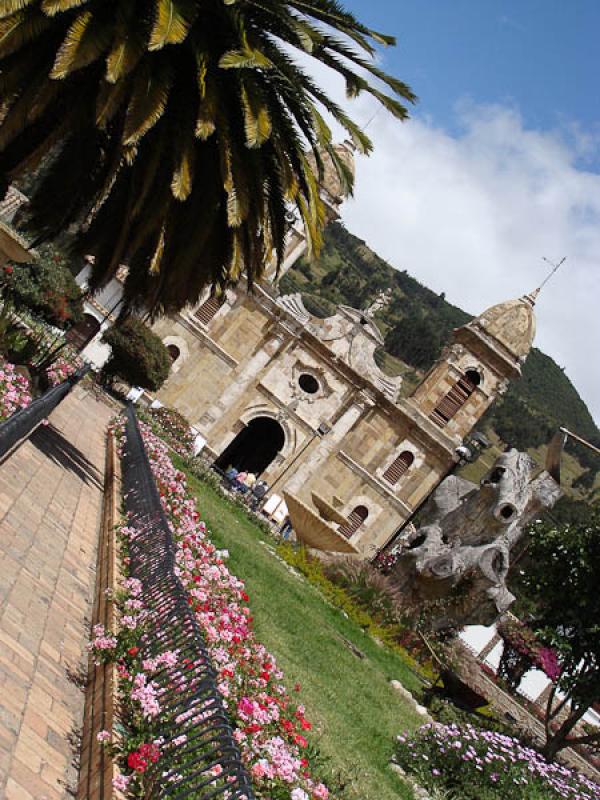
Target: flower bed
pixel 478 764
pixel 171 426
pixel 63 368
pixel 15 392
pixel 270 726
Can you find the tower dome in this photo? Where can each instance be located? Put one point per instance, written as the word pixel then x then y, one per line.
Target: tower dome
pixel 511 323
pixel 331 181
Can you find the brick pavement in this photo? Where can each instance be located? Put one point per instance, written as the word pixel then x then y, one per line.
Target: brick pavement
pixel 50 504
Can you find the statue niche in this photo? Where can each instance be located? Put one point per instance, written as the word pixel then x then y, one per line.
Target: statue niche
pixel 467 538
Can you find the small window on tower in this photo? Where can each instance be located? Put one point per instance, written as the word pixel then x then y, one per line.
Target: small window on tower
pixel 456 398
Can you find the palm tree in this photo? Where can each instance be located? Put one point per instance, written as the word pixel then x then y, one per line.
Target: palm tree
pixel 173 134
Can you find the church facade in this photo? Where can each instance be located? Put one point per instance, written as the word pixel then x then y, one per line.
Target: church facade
pixel 300 401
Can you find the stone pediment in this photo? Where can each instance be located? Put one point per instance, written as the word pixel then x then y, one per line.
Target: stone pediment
pixel 351 335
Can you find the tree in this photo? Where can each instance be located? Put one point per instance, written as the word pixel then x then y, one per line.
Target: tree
pixel 176 132
pixel 416 340
pixel 562 578
pixel 138 354
pixel 48 288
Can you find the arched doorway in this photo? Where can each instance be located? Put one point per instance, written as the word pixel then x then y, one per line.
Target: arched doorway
pixel 254 448
pixel 83 332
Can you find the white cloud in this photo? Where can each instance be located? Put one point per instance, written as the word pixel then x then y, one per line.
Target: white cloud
pixel 471 214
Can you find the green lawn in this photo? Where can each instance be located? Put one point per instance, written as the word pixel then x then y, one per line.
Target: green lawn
pixel 355 712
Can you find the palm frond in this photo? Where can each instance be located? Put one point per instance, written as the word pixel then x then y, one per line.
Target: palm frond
pixel 148 102
pixel 20 29
pixel 257 120
pixel 244 59
pixel 183 177
pixel 8 7
pixel 172 22
pixel 53 7
pixel 84 42
pixel 155 262
pixel 123 58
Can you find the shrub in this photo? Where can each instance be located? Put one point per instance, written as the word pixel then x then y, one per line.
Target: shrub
pixel 138 354
pixel 478 764
pixel 47 287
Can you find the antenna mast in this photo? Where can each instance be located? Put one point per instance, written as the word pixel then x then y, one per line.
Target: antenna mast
pixel 555 268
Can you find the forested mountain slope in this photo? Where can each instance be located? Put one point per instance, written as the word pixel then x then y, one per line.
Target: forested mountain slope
pixel 416 325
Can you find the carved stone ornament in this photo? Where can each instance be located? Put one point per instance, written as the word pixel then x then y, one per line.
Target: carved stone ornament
pixel 467 538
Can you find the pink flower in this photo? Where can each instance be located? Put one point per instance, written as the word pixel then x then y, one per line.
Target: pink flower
pixel 120 782
pixel 103 736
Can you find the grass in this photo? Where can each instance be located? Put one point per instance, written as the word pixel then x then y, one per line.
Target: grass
pixel 355 712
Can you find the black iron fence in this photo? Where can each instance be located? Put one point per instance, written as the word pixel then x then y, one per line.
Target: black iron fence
pixel 21 424
pixel 201 758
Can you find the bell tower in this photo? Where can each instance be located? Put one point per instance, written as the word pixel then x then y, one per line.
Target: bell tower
pixel 485 355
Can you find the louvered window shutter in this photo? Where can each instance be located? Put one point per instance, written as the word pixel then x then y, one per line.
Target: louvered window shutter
pixel 398 467
pixel 354 521
pixel 452 402
pixel 208 309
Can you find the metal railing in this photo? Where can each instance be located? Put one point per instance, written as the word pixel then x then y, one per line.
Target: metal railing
pixel 193 723
pixel 22 423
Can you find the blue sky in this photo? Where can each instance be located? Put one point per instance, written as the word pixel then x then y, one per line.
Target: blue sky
pixel 499 165
pixel 542 56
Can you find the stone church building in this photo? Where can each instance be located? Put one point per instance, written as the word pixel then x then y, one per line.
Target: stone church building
pixel 301 402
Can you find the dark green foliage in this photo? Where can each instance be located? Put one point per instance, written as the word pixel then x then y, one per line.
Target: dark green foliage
pixel 415 340
pixel 318 306
pixel 47 288
pixel 138 354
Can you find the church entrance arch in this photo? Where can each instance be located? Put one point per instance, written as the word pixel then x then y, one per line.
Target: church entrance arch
pixel 254 448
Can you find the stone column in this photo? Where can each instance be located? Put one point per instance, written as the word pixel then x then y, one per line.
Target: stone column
pixel 328 443
pixel 241 382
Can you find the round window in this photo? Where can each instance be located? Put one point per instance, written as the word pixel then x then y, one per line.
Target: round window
pixel 308 384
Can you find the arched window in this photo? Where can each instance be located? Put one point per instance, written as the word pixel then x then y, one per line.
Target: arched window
pixel 174 352
pixel 357 516
pixel 208 309
pixel 456 398
pixel 398 467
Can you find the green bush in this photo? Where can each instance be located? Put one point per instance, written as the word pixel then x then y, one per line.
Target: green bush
pixel 138 354
pixel 47 288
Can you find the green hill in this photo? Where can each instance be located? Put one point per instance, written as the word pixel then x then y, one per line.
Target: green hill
pixel 418 322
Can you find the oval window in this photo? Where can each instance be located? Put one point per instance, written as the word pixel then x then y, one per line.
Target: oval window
pixel 308 383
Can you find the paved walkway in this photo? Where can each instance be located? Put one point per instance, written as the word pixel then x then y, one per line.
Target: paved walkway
pixel 50 504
